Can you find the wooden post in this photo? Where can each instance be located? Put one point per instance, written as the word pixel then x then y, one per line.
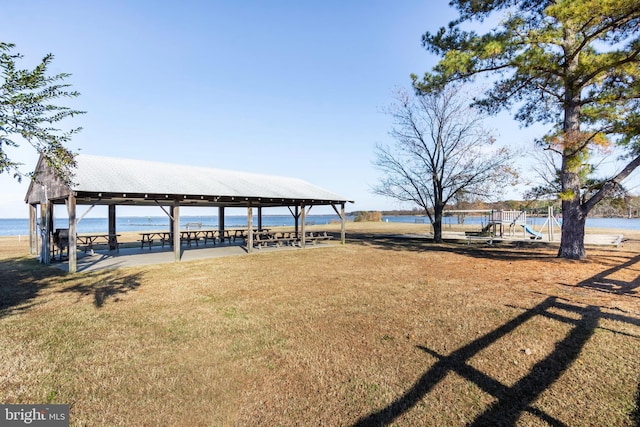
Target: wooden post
pixel 42 231
pixel 343 218
pixel 175 223
pixel 33 232
pixel 250 229
pixel 46 247
pixel 51 215
pixel 221 223
pixel 303 219
pixel 259 218
pixel 72 244
pixel 112 227
pixel 297 221
pixel 342 227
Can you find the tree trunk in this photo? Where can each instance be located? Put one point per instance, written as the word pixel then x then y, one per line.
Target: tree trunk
pixel 573 223
pixel 437 224
pixel 573 213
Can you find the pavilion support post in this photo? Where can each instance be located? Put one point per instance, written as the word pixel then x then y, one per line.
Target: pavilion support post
pixel 297 221
pixel 112 227
pixel 175 229
pixel 303 220
pixel 342 226
pixel 33 232
pixel 46 245
pixel 72 243
pixel 43 232
pixel 343 217
pixel 250 229
pixel 51 216
pixel 221 223
pixel 259 218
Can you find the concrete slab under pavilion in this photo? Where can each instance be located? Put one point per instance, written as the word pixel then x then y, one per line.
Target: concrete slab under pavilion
pixel 136 257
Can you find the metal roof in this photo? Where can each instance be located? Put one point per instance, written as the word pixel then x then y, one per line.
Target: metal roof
pixel 109 177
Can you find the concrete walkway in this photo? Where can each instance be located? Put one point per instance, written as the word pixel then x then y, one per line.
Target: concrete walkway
pixel 132 257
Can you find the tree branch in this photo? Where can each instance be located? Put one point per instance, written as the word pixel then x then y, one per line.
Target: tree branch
pixel 610 184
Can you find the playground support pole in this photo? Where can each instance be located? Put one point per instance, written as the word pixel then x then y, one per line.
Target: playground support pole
pixel 550 222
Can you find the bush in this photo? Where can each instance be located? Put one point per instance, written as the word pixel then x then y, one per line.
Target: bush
pixel 371 216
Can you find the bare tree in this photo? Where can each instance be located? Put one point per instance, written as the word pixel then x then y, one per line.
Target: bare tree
pixel 441 149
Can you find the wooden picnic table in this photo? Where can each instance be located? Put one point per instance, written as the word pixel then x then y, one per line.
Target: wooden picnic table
pixel 208 235
pixel 189 236
pixel 185 236
pixel 148 238
pixel 90 240
pixel 279 238
pixel 242 233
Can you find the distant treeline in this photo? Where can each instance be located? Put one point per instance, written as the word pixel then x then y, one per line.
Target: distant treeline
pixel 628 207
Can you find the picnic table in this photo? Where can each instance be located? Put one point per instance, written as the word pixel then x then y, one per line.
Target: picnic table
pixel 242 233
pixel 208 235
pixel 265 238
pixel 188 236
pixel 483 236
pixel 88 241
pixel 148 238
pixel 316 236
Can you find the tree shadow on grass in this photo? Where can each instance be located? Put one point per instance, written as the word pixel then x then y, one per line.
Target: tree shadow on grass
pixel 22 280
pixel 511 401
pixel 604 282
pixel 516 250
pixel 105 285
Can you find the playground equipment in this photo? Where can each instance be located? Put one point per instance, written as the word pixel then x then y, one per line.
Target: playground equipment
pixel 509 224
pixel 551 222
pixel 533 233
pixel 501 223
pixel 512 219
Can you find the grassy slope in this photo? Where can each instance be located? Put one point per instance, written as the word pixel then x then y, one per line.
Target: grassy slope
pixel 376 331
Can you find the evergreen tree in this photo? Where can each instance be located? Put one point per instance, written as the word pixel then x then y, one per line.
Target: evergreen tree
pixel 571 63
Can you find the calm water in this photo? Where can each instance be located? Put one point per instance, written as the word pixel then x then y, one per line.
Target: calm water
pixel 15 227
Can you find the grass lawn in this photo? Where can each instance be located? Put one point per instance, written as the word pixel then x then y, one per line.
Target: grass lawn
pixel 378 331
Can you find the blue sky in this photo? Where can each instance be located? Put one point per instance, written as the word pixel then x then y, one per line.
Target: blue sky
pixel 277 87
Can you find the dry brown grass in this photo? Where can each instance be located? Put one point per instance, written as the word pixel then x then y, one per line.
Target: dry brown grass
pixel 378 331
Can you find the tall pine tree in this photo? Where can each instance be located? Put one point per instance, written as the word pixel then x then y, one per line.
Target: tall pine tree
pixel 572 63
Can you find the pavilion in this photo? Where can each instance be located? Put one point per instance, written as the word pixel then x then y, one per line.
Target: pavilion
pixel 113 181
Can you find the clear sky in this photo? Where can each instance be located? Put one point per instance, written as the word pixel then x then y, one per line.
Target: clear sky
pixel 277 87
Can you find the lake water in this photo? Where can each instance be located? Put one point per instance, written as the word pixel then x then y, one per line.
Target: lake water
pixel 20 226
